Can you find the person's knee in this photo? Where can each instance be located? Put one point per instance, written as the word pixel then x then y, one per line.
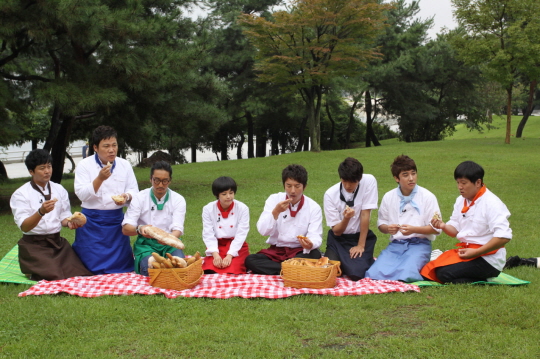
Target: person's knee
pixel 444 275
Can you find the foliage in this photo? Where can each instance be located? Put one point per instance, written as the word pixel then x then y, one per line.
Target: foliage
pixel 303 48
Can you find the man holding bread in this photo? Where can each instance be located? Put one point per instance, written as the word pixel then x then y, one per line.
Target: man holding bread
pixel 292 222
pixel 105 184
pixel 40 209
pixel 154 210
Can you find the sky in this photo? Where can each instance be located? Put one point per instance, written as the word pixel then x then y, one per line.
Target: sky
pixel 441 11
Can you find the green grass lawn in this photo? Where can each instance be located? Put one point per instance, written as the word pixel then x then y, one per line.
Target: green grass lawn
pixel 444 322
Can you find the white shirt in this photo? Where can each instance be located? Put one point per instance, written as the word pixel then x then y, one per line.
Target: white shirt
pixel 121 181
pixel 284 230
pixel 367 198
pixel 143 211
pixel 390 213
pixel 236 226
pixel 25 201
pixel 488 218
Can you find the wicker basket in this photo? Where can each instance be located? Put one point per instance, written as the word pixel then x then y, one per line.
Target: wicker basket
pixel 298 276
pixel 177 278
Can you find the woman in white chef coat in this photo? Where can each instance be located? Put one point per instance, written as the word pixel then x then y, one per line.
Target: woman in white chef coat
pixel 225 229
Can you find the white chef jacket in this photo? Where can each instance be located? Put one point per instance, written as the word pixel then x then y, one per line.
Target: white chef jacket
pixel 366 198
pixel 488 218
pixel 284 230
pixel 143 211
pixel 236 226
pixel 25 201
pixel 390 213
pixel 121 181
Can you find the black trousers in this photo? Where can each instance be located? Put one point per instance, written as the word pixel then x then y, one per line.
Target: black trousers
pixel 259 263
pixel 467 272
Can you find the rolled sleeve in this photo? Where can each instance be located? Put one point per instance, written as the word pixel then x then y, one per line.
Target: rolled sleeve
pixel 241 233
pixel 331 212
pixel 209 237
pixel 267 225
pixel 179 215
pixel 314 232
pixel 133 212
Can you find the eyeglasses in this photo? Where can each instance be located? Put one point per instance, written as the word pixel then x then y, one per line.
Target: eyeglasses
pixel 157 181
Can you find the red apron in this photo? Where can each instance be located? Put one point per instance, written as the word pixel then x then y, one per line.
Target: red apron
pixel 237 264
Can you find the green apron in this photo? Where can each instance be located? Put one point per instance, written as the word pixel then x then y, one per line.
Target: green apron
pixel 145 246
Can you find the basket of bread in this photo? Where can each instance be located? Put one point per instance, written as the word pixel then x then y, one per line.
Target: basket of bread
pixel 175 272
pixel 310 273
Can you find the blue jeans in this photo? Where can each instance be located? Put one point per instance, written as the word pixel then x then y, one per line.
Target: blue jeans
pixel 143 265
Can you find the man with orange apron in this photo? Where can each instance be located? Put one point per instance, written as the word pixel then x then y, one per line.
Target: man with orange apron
pixel 480 222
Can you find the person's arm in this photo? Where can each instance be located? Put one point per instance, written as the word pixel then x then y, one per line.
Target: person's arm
pixel 242 230
pixel 446 228
pixel 132 187
pixel 267 223
pixel 131 218
pixel 493 244
pixel 407 229
pixel 339 228
pixel 31 222
pixel 334 219
pixel 208 234
pixel 314 230
pixel 84 186
pixel 357 250
pixel 178 216
pixel 384 218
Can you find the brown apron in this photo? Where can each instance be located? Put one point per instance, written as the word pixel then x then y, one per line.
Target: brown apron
pixel 49 257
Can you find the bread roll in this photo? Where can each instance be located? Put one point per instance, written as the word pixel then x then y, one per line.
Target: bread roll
pixel 119 198
pixel 77 218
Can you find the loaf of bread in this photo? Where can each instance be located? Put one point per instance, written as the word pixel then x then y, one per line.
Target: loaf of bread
pixel 163 237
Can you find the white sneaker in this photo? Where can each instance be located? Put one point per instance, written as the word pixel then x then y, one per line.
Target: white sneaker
pixel 435 254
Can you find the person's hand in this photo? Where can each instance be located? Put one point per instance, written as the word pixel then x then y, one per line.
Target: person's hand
pixel 48 206
pixel 305 242
pixel 393 228
pixel 467 253
pixel 437 223
pixel 348 212
pixel 142 232
pixel 74 225
pixel 226 261
pixel 218 262
pixel 406 229
pixel 356 251
pixel 105 172
pixel 282 206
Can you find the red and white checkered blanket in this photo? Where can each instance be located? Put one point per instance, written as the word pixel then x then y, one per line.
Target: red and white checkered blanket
pixel 220 286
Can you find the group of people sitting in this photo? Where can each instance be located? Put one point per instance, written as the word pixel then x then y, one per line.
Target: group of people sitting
pixel 292 222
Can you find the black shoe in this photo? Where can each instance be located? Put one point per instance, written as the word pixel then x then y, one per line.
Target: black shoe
pixel 531 262
pixel 512 262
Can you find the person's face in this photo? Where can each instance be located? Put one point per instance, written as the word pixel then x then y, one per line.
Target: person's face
pixel 467 188
pixel 160 182
pixel 226 198
pixel 41 174
pixel 407 181
pixel 107 149
pixel 349 186
pixel 294 190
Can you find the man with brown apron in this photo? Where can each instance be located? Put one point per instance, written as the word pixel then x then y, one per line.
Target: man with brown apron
pixel 40 209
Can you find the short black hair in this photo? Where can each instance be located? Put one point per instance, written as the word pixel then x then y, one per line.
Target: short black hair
pixel 295 172
pixel 36 158
pixel 469 170
pixel 350 170
pixel 102 133
pixel 222 184
pixel 402 163
pixel 161 165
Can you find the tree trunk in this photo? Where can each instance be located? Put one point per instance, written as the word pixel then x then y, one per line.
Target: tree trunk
pixel 508 115
pixel 34 144
pixel 58 151
pixel 249 117
pixel 314 99
pixel 283 142
pixel 72 162
pixel 330 146
pixel 224 150
pixel 301 136
pixel 53 130
pixel 528 112
pixel 275 143
pixel 260 143
pixel 306 145
pixel 239 148
pixel 370 134
pixel 3 172
pixel 193 153
pixel 349 126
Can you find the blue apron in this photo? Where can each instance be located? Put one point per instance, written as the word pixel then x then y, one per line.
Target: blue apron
pixel 100 244
pixel 402 260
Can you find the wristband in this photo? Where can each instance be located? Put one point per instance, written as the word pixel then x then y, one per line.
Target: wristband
pixel 39 212
pixel 138 229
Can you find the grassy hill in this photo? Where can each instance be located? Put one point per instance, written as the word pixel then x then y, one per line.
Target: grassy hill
pixel 454 321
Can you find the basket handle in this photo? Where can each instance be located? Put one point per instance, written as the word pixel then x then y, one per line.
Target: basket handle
pixel 183 282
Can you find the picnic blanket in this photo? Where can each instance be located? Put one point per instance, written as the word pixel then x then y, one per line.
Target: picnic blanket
pixel 221 286
pixel 503 278
pixel 10 272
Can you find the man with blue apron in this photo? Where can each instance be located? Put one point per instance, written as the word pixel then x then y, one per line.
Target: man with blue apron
pixel 100 243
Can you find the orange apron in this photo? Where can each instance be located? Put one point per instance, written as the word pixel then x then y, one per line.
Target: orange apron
pixel 448 258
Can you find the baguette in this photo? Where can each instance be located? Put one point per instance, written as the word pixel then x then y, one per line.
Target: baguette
pixel 163 237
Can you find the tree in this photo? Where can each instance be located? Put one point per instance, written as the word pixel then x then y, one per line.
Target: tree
pixel 502 36
pixel 316 40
